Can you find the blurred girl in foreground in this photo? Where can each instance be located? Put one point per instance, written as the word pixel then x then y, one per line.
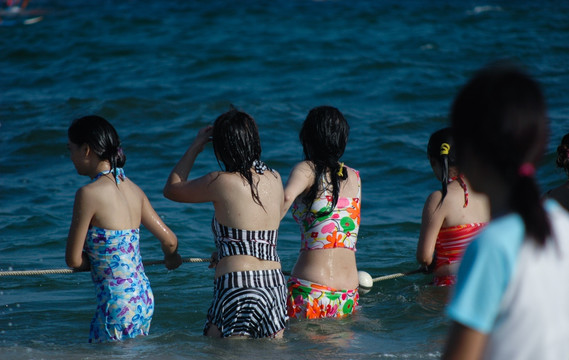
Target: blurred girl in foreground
pixel 511 299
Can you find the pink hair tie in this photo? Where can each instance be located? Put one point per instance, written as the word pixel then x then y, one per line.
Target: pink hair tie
pixel 526 170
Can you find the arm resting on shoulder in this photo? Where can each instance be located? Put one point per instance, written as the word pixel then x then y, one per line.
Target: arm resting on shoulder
pixel 300 180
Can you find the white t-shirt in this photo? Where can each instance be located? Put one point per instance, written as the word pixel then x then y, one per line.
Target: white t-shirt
pixel 515 290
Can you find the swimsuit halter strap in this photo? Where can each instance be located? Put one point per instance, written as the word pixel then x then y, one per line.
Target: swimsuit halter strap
pixel 120 175
pixel 260 167
pixel 463 186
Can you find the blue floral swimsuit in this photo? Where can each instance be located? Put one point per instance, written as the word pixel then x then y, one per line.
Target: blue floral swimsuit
pixel 125 302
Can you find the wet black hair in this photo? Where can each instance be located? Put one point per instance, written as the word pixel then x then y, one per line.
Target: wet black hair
pixel 500 116
pixel 101 137
pixel 562 160
pixel 441 149
pixel 237 145
pixel 324 136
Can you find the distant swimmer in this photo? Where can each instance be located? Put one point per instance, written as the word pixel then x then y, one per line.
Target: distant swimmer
pixel 13 12
pixel 15 6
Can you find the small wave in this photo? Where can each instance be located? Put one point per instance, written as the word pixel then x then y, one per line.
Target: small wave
pixel 483 9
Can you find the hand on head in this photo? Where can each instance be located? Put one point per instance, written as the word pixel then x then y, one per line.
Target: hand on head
pixel 203 137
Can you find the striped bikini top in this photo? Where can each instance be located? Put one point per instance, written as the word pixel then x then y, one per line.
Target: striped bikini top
pixel 261 244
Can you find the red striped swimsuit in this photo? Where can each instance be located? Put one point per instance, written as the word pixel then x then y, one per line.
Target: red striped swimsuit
pixel 452 242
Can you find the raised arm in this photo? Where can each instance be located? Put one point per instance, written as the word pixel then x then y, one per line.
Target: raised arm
pixel 431 222
pixel 178 187
pixel 300 179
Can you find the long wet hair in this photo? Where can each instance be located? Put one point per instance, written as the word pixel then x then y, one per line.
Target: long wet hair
pixel 562 160
pixel 101 137
pixel 441 149
pixel 500 116
pixel 237 145
pixel 324 136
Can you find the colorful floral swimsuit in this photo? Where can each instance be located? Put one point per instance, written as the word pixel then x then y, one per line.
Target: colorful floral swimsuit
pixel 452 242
pixel 339 229
pixel 125 300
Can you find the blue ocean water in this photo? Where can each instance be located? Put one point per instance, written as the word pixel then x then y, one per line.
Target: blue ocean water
pixel 159 71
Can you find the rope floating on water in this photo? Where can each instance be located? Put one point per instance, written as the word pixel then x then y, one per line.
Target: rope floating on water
pixel 366 281
pixel 396 275
pixel 71 271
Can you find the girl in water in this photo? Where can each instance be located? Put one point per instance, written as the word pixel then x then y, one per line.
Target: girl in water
pixel 452 216
pixel 561 193
pixel 249 296
pixel 511 296
pixel 104 233
pixel 326 198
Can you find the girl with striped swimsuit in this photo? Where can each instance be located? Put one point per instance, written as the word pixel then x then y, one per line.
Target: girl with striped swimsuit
pixel 452 216
pixel 249 296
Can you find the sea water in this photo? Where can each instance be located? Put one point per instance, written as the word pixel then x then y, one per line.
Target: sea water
pixel 159 71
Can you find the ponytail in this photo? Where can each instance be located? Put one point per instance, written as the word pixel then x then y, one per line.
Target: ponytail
pixel 441 149
pixel 443 154
pixel 526 201
pixel 117 160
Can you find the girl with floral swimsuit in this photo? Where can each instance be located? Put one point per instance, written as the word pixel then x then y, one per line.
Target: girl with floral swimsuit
pixel 104 233
pixel 326 198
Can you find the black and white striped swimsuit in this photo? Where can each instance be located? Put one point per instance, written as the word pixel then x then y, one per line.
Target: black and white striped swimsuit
pixel 248 303
pixel 261 244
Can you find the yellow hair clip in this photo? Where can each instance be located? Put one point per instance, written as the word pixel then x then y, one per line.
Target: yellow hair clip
pixel 340 172
pixel 445 148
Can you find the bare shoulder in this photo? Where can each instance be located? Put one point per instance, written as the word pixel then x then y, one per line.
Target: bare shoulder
pixel 353 171
pixel 275 173
pixel 89 192
pixel 303 170
pixel 222 178
pixel 434 199
pixel 353 175
pixel 135 189
pixel 305 167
